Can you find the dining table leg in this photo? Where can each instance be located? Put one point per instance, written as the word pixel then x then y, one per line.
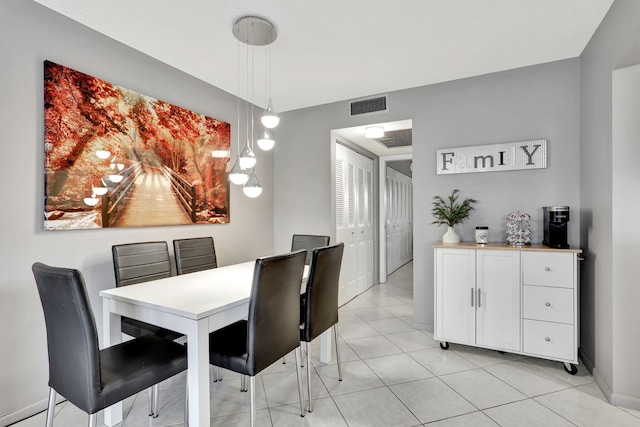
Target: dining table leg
pixel 111 335
pixel 325 346
pixel 198 373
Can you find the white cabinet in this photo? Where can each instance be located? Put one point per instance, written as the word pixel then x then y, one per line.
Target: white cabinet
pixel 477 298
pixel 550 305
pixel 455 315
pixel 520 300
pixel 498 299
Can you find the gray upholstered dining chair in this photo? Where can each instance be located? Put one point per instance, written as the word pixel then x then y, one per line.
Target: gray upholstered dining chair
pixel 90 378
pixel 308 242
pixel 137 263
pixel 194 254
pixel 319 302
pixel 272 327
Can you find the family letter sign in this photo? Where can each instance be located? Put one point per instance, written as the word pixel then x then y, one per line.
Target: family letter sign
pixel 492 158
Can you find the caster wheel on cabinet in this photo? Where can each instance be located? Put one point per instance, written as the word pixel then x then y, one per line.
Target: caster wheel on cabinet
pixel 444 345
pixel 571 368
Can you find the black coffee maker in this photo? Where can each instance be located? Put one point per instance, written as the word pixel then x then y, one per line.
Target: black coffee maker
pixel 555 220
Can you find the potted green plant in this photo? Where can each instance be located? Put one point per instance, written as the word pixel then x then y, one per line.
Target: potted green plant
pixel 451 212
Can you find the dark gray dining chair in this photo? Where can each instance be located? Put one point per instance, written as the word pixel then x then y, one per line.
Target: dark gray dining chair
pixel 194 254
pixel 90 378
pixel 319 302
pixel 272 327
pixel 308 242
pixel 137 263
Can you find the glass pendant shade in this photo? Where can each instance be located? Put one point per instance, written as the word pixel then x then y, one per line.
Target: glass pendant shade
pixel 247 157
pixel 270 118
pixel 116 178
pixel 266 141
pixel 252 188
pixel 237 175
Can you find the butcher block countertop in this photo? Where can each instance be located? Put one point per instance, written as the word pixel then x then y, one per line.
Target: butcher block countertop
pixel 502 246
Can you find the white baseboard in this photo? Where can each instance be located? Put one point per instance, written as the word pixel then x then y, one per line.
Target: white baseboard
pixel 422 326
pixel 23 413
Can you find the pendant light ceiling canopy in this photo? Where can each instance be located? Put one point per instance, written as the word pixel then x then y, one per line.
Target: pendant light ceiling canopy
pixel 254 31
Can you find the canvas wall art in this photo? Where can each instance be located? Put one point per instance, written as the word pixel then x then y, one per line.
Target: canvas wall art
pixel 117 158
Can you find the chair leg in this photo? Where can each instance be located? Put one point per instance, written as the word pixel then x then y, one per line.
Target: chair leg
pixel 51 408
pixel 299 382
pixel 156 398
pixel 252 393
pixel 186 407
pixel 243 383
pixel 219 373
pixel 335 334
pixel 93 420
pixel 309 375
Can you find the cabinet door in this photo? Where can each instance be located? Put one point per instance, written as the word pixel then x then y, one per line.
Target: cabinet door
pixel 498 299
pixel 455 275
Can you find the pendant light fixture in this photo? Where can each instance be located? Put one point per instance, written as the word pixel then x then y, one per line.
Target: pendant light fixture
pixel 252 188
pixel 266 141
pixel 247 157
pixel 252 31
pixel 270 118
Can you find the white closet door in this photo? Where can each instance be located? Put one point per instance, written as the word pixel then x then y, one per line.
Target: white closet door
pixel 399 220
pixel 354 224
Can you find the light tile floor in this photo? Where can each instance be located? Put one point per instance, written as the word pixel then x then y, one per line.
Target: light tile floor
pixel 393 375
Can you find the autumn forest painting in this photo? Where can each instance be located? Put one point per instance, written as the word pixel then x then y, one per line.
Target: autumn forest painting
pixel 117 158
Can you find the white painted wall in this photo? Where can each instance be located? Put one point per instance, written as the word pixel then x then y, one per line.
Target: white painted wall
pixel 626 236
pixel 608 300
pixel 29 34
pixel 523 104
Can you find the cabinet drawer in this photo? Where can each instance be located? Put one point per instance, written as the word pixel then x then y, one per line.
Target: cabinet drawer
pixel 554 340
pixel 549 304
pixel 548 269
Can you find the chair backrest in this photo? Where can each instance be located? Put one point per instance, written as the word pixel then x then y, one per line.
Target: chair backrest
pixel 194 254
pixel 308 242
pixel 72 339
pixel 274 309
pixel 321 308
pixel 140 262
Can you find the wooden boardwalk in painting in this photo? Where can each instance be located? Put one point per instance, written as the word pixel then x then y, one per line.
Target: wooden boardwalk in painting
pixel 152 202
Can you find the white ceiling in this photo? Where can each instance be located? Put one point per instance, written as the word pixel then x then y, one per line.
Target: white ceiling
pixel 332 50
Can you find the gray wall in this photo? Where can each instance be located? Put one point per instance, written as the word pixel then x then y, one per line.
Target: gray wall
pixel 608 190
pixel 518 105
pixel 29 34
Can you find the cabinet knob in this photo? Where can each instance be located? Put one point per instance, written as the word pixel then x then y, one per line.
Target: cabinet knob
pixel 547 304
pixel 547 339
pixel 547 269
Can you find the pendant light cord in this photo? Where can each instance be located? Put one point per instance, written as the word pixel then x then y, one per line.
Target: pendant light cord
pixel 238 105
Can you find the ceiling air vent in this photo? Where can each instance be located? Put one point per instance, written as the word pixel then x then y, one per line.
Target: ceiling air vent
pixel 396 138
pixel 368 106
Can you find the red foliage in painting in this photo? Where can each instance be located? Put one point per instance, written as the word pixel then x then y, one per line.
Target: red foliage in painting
pixel 77 109
pixel 84 114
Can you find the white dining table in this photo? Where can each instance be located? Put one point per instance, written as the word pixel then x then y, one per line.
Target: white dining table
pixel 193 304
